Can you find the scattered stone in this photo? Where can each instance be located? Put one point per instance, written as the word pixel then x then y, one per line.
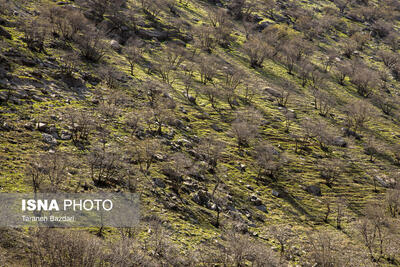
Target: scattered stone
pixel 65 135
pixel 314 190
pixel 349 132
pixel 255 200
pixel 272 92
pixel 49 139
pixel 262 208
pixel 242 167
pixel 276 193
pixel 202 198
pixel 29 126
pixel 6 127
pixel 115 45
pixel 339 142
pixel 159 157
pixel 158 182
pixel 41 126
pixel 216 128
pixel 183 110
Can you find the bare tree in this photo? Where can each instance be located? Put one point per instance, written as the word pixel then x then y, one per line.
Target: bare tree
pixel 222 27
pixel 52 247
pixel 211 149
pixel 205 38
pixel 245 126
pixel 385 102
pixel 144 154
pixel 171 59
pixel 282 96
pixel 393 201
pixel 80 124
pixel 373 230
pixel 269 160
pixel 341 71
pixel 365 80
pixel 358 114
pixel 233 78
pixel 342 4
pixel 35 33
pixel 91 45
pixel 208 69
pixel 101 7
pixel 257 49
pixel 105 165
pixel 371 148
pixel 48 171
pixel 282 234
pixel 324 102
pixel 176 168
pixel 330 170
pixel 67 23
pixel 133 54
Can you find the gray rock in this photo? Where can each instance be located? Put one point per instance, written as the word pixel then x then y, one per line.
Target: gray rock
pixel 115 45
pixel 340 142
pixel 314 190
pixel 29 126
pixel 6 127
pixel 49 139
pixel 255 200
pixel 151 34
pixel 41 126
pixel 65 135
pixel 262 208
pixel 276 193
pixel 53 131
pixel 202 198
pixel 158 182
pixel 272 92
pixel 216 128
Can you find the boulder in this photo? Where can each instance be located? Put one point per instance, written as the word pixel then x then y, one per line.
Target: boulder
pixel 159 183
pixel 339 142
pixel 41 126
pixel 65 135
pixel 349 132
pixel 314 190
pixel 49 139
pixel 201 197
pixel 152 34
pixel 255 200
pixel 276 193
pixel 216 128
pixel 115 45
pixel 262 208
pixel 273 92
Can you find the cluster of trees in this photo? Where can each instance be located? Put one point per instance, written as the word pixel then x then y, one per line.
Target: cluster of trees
pixel 53 247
